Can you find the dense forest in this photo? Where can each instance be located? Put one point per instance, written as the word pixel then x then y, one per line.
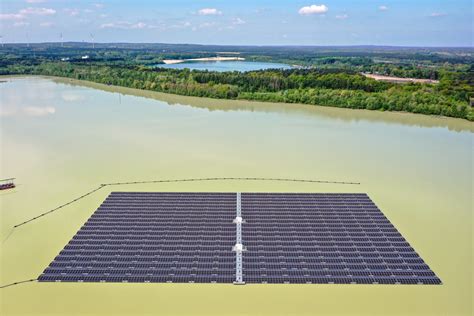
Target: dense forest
pixel 333 78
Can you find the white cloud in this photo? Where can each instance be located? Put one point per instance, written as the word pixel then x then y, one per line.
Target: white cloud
pixel 238 21
pixel 37 11
pixel 207 24
pixel 125 25
pixel 178 25
pixel 110 25
pixel 99 5
pixel 20 24
pixel 24 13
pixel 84 21
pixel 313 9
pixel 11 17
pixel 46 24
pixel 437 14
pixel 139 25
pixel 209 11
pixel 35 1
pixel 383 8
pixel 39 111
pixel 342 16
pixel 72 12
pixel 102 16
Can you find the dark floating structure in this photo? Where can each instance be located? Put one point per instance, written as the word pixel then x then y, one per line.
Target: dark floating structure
pixel 6 184
pixel 239 238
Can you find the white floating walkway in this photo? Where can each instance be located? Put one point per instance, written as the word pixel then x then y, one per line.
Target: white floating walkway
pixel 239 247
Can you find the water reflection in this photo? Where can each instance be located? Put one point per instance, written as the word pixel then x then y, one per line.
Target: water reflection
pixel 37 111
pixel 345 115
pixel 70 97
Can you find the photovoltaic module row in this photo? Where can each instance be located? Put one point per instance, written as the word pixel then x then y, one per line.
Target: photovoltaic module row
pixel 245 237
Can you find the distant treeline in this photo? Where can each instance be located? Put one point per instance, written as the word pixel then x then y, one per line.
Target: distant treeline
pixel 328 87
pixel 305 54
pixel 426 63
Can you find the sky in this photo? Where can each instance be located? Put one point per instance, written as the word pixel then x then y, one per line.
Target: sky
pixel 241 22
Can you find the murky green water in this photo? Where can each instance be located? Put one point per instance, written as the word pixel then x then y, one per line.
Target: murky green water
pixel 60 140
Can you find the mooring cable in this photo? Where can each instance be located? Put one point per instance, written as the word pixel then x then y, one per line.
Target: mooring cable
pixel 234 178
pixel 16 283
pixel 59 207
pixel 180 180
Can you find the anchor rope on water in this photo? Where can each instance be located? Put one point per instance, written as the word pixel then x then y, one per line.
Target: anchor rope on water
pixel 232 178
pixel 17 283
pixel 59 207
pixel 178 180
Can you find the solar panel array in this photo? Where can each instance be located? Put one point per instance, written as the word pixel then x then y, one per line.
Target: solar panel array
pixel 152 237
pixel 325 238
pixel 287 238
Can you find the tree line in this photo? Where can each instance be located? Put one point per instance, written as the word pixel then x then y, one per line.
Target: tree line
pixel 327 87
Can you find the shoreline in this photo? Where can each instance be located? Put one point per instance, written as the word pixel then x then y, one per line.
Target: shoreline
pixel 215 104
pixel 180 61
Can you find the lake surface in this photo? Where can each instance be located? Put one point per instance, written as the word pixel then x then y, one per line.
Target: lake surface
pixel 61 138
pixel 226 66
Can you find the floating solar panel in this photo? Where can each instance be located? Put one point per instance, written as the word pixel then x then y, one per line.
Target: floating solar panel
pixel 325 238
pixel 152 237
pixel 239 238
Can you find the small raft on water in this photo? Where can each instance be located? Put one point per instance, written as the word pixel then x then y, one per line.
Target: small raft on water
pixel 6 184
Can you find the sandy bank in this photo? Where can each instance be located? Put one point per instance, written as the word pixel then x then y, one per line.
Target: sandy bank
pixel 178 61
pixel 398 79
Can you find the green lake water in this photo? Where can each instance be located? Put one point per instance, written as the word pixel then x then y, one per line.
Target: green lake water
pixel 226 65
pixel 61 138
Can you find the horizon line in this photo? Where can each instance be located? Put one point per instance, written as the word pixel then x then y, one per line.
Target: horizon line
pixel 241 45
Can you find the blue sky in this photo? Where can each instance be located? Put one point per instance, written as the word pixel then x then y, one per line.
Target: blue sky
pixel 321 22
